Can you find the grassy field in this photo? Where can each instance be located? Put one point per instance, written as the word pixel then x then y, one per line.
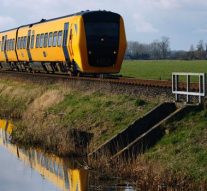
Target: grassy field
pixel 161 69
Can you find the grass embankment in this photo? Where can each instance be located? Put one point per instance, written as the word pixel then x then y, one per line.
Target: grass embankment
pixel 185 149
pixel 61 119
pixel 53 114
pixel 161 69
pixel 177 162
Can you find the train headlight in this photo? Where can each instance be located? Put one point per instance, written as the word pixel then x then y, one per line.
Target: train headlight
pixel 89 52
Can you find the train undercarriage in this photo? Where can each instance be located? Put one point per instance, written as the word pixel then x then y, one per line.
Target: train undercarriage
pixel 49 67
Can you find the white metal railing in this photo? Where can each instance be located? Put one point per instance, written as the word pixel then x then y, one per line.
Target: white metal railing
pixel 188 93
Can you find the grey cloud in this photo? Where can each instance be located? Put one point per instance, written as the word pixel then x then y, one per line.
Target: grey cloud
pixel 145 20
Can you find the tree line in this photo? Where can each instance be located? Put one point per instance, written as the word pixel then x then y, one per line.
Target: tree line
pixel 160 49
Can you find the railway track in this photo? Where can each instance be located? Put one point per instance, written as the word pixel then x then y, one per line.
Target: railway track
pixel 111 79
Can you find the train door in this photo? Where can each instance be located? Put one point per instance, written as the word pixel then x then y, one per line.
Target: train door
pixel 2 48
pixel 28 45
pixel 71 41
pixel 65 40
pixel 5 48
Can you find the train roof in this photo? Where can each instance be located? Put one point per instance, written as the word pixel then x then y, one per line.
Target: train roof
pixel 82 13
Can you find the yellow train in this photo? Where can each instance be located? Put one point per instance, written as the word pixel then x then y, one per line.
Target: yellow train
pixel 92 42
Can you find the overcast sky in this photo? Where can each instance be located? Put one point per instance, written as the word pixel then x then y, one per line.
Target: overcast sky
pixel 183 21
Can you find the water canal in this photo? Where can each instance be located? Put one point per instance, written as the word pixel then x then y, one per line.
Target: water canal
pixel 33 170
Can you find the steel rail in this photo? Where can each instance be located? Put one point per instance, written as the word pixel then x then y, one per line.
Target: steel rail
pixel 112 79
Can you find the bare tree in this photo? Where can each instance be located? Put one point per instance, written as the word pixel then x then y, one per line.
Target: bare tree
pixel 200 53
pixel 165 47
pixel 155 49
pixel 159 49
pixel 191 53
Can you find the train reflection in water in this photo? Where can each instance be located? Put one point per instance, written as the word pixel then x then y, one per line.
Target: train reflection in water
pixel 61 172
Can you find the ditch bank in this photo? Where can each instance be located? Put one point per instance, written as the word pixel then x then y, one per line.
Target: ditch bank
pixel 65 120
pixel 62 119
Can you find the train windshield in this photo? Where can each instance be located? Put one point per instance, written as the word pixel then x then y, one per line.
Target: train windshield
pixel 102 29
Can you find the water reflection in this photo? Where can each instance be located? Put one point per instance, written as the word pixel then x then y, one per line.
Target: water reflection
pixel 62 173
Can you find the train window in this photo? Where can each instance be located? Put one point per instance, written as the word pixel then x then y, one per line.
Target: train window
pixel 18 43
pixel 25 42
pixel 10 47
pixel 6 42
pixel 38 41
pixel 55 39
pixel 102 29
pixel 2 45
pixel 14 42
pixel 76 28
pixel 60 34
pixel 41 40
pixel 22 42
pixel 50 39
pixel 11 44
pixel 32 42
pixel 45 40
pixel 7 45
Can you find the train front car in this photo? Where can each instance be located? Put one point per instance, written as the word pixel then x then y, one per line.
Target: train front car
pixel 105 42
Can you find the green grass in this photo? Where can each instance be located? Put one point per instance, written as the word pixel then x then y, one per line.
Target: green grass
pixel 101 114
pixel 50 112
pixel 185 149
pixel 161 69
